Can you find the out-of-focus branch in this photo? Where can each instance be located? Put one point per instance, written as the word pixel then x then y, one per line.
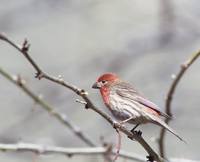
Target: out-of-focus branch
pixel 70 152
pixel 44 149
pixel 82 93
pixel 169 98
pixel 18 81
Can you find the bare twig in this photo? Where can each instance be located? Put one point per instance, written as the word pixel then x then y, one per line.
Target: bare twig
pixel 43 149
pixel 17 80
pixel 170 94
pixel 82 93
pixel 118 147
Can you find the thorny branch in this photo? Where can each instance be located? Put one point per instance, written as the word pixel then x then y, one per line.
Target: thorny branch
pixel 17 80
pixel 82 93
pixel 43 149
pixel 183 69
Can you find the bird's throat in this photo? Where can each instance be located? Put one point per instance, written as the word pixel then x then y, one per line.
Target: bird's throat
pixel 105 95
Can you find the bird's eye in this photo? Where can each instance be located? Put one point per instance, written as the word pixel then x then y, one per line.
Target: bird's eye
pixel 103 81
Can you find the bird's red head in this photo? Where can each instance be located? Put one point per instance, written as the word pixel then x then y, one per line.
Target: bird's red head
pixel 105 80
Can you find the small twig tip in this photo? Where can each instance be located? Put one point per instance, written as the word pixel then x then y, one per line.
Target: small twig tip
pixel 25 46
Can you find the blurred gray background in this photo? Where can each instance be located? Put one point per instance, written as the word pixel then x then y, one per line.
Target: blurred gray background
pixel 142 41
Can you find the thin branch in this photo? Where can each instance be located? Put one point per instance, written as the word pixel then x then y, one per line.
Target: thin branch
pixel 18 81
pixel 183 69
pixel 43 149
pixel 118 147
pixel 82 93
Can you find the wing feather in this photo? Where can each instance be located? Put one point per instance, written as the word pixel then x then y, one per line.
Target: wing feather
pixel 127 91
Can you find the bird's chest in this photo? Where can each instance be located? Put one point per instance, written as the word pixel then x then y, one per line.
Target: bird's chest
pixel 124 109
pixel 105 95
pixel 118 107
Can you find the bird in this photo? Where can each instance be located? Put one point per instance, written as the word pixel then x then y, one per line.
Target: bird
pixel 127 105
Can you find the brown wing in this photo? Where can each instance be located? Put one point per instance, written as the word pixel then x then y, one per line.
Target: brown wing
pixel 151 105
pixel 126 90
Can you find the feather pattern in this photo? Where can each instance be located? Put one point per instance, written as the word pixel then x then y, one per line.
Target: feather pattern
pixel 127 91
pixel 140 109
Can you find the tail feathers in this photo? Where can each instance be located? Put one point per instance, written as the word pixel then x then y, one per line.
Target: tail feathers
pixel 165 115
pixel 163 124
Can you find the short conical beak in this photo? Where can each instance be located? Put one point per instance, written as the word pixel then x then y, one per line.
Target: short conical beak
pixel 96 85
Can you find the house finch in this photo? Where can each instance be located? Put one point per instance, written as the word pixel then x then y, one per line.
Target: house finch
pixel 127 105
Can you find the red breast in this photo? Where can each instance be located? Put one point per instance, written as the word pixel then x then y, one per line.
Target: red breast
pixel 105 95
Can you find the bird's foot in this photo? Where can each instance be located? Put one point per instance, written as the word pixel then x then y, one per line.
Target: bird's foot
pixel 138 133
pixel 126 120
pixel 116 124
pixel 150 158
pixel 121 123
